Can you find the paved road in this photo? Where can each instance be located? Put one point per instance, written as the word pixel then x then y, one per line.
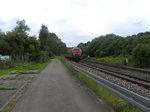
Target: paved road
pixel 57 90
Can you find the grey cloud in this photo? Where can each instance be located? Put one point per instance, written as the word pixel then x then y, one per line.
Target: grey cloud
pixel 73 38
pixel 129 27
pixel 139 23
pixel 70 34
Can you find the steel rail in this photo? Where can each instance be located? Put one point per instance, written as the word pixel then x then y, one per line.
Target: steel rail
pixel 135 99
pixel 146 79
pixel 119 66
pixel 136 80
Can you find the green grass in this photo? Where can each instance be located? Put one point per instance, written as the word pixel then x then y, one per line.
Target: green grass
pixel 25 66
pixel 119 60
pixel 5 71
pixel 4 88
pixel 9 78
pixel 112 100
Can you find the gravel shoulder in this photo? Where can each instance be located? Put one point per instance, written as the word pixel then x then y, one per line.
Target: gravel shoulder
pixel 57 90
pixel 123 83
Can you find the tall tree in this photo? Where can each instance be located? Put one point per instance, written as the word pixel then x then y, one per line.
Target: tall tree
pixel 141 55
pixel 50 42
pixel 43 37
pixel 21 27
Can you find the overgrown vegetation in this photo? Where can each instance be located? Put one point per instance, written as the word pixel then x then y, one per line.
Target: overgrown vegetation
pixel 141 55
pixel 21 47
pixel 136 48
pixel 6 64
pixel 6 88
pixel 24 67
pixel 117 103
pixel 118 60
pixel 9 78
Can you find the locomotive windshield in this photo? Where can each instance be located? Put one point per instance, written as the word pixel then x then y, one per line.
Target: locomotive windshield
pixel 76 49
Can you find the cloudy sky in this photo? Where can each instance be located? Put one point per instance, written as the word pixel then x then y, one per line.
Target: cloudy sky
pixel 76 21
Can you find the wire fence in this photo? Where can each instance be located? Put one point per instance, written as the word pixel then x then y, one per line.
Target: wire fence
pixel 9 61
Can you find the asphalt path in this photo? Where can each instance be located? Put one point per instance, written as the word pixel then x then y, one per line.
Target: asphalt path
pixel 57 90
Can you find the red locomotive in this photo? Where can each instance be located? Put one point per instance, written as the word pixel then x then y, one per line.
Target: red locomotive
pixel 74 53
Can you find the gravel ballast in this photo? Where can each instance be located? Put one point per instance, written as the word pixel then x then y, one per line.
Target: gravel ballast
pixel 123 83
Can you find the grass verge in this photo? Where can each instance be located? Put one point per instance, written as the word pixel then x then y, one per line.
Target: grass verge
pixel 10 78
pixel 4 88
pixel 25 66
pixel 119 60
pixel 109 98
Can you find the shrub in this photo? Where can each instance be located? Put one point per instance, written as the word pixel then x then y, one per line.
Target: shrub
pixel 43 56
pixel 141 55
pixel 51 54
pixel 6 64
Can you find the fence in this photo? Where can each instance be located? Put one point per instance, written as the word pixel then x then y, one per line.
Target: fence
pixel 9 61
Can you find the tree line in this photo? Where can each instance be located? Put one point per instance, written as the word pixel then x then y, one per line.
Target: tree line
pixel 135 47
pixel 21 47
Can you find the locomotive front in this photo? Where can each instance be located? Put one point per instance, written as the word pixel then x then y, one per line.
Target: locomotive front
pixel 75 54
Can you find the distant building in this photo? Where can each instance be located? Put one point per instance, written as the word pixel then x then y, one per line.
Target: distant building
pixel 4 58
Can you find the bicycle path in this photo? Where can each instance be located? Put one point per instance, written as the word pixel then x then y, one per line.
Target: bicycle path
pixel 57 90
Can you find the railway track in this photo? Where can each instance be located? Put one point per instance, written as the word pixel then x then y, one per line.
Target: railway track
pixel 131 97
pixel 145 82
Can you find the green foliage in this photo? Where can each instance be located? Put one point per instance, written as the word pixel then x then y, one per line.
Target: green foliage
pixel 106 46
pixel 111 45
pixel 32 49
pixel 43 37
pixel 4 88
pixel 141 55
pixel 25 66
pixel 3 44
pixel 6 64
pixel 50 42
pixel 43 56
pixel 119 60
pixel 22 47
pixel 16 43
pixel 84 47
pixel 9 78
pixel 21 27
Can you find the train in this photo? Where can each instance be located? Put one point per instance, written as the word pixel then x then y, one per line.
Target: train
pixel 74 53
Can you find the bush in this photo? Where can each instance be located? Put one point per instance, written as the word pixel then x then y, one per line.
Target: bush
pixel 118 60
pixel 51 55
pixel 6 64
pixel 141 55
pixel 43 56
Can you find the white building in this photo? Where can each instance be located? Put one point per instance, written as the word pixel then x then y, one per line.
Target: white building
pixel 4 58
